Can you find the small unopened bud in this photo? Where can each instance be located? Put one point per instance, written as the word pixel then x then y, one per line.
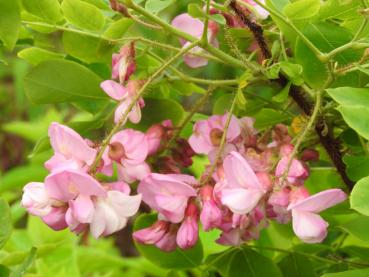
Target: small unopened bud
pixel 216 136
pixel 116 151
pixel 310 155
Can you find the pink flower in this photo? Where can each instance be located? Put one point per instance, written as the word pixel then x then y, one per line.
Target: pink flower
pixel 195 27
pixel 129 148
pixel 230 238
pixel 123 64
pixel 154 137
pixel 56 218
pixel 207 134
pixel 296 173
pixel 168 194
pixel 152 234
pixel 211 215
pixel 111 213
pixel 188 232
pixel 71 150
pixel 36 200
pixel 125 96
pixel 307 224
pixel 243 190
pixel 168 242
pixel 258 11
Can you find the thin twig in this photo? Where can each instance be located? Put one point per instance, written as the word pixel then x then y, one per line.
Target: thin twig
pixel 138 95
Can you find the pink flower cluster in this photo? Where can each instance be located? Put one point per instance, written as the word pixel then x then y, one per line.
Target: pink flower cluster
pixel 256 181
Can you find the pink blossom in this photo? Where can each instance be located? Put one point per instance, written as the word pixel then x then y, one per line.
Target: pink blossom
pixel 154 137
pixel 258 11
pixel 71 150
pixel 195 27
pixel 307 224
pixel 296 173
pixel 123 64
pixel 56 218
pixel 111 213
pixel 36 199
pixel 207 134
pixel 129 148
pixel 188 232
pixel 167 194
pixel 211 215
pixel 168 242
pixel 125 96
pixel 152 234
pixel 230 238
pixel 243 190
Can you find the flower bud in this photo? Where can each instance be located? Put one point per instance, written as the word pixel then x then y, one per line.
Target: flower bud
pixel 168 242
pixel 188 232
pixel 310 155
pixel 116 151
pixel 152 234
pixel 154 136
pixel 211 215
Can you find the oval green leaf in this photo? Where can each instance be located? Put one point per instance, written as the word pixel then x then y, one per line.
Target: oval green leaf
pixel 359 199
pixel 9 22
pixel 5 222
pixel 48 10
pixel 302 9
pixel 83 15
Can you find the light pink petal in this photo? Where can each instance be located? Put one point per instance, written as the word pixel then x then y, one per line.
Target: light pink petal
pixel 124 205
pixel 199 144
pixel 231 238
pixel 309 227
pixel 135 114
pixel 239 173
pixel 67 185
pixel 58 162
pixel 239 200
pixel 69 143
pixel 234 129
pixel 130 173
pixel 36 199
pixel 320 201
pixel 114 89
pixel 82 208
pixel 188 234
pixel 56 219
pixel 188 24
pixel 120 110
pixel 120 186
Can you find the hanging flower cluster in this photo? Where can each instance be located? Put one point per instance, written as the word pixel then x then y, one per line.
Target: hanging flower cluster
pixel 251 179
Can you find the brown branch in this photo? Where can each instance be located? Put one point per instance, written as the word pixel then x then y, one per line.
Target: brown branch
pixel 255 28
pixel 324 132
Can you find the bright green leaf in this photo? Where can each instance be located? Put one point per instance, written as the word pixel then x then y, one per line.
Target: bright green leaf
pixel 350 96
pixel 22 268
pixel 339 9
pixel 117 29
pixel 195 10
pixel 302 9
pixel 218 18
pixel 57 81
pixel 360 196
pixel 350 273
pixel 357 117
pixel 156 6
pixel 268 117
pixel 296 265
pixel 5 222
pixel 358 227
pixel 83 15
pixel 35 55
pixel 9 22
pixel 49 10
pixel 178 259
pixel 357 166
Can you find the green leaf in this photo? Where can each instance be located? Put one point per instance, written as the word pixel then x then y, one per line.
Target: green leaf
pixel 117 29
pixel 357 166
pixel 21 269
pixel 83 15
pixel 339 9
pixel 49 10
pixel 35 55
pixel 350 273
pixel 218 18
pixel 17 177
pixel 5 222
pixel 195 10
pixel 268 117
pixel 357 117
pixel 243 262
pixel 178 259
pixel 158 109
pixel 358 227
pixel 87 49
pixel 359 197
pixel 296 265
pixel 326 37
pixel 350 96
pixel 58 81
pixel 302 9
pixel 9 22
pixel 4 271
pixel 293 71
pixel 156 6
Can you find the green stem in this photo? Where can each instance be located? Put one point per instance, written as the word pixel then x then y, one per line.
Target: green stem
pixel 204 38
pixel 222 141
pixel 314 115
pixel 138 95
pixel 211 49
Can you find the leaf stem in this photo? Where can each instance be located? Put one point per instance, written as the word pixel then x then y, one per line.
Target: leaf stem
pixel 138 95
